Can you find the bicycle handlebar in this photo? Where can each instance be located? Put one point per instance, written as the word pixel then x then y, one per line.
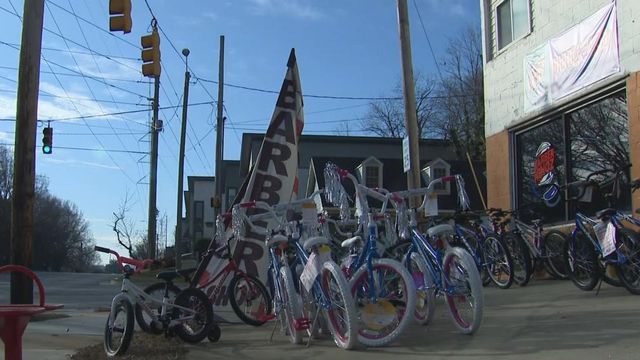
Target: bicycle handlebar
pixel 123 260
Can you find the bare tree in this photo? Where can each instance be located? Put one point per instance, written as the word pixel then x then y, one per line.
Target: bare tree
pixel 386 117
pixel 123 226
pixel 460 104
pixel 6 173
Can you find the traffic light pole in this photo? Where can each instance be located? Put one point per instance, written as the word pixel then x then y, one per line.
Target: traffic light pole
pixel 24 171
pixel 153 173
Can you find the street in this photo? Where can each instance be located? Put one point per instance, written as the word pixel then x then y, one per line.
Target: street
pixel 546 319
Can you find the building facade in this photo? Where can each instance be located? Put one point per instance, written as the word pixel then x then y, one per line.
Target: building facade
pixel 559 76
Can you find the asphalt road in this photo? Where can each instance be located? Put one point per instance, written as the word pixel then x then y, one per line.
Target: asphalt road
pixel 547 319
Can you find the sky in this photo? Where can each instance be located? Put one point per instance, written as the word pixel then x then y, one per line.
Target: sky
pixel 93 94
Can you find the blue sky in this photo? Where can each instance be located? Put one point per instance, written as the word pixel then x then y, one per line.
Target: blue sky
pixel 343 48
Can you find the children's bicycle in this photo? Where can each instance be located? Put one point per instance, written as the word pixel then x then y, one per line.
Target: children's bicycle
pixel 439 270
pixel 189 315
pixel 384 291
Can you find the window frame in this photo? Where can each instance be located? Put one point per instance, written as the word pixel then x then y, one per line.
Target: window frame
pixel 427 173
pixel 497 25
pixel 370 162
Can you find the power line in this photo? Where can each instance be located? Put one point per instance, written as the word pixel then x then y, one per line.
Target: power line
pixel 76 75
pixel 73 51
pixel 46 94
pixel 424 30
pixel 92 149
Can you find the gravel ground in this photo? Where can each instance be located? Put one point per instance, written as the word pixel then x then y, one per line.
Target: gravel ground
pixel 143 346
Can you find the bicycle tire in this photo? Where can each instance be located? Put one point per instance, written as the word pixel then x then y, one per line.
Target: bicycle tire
pixel 146 325
pixel 121 345
pixel 196 329
pixel 248 291
pixel 521 257
pixel 581 261
pixel 629 247
pixel 425 289
pixel 292 306
pixel 404 293
pixel 554 262
pixel 497 261
pixel 342 325
pixel 463 272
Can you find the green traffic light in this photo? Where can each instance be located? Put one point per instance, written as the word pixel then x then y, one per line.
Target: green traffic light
pixel 46 149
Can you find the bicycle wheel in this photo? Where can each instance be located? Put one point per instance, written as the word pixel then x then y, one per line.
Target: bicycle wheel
pixel 249 299
pixel 629 259
pixel 497 261
pixel 581 261
pixel 341 315
pixel 145 310
pixel 117 337
pixel 554 262
pixel 465 290
pixel 194 325
pixel 292 311
pixel 521 258
pixel 387 305
pixel 425 289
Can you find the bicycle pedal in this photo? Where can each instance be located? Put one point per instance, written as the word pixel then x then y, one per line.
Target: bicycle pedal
pixel 301 324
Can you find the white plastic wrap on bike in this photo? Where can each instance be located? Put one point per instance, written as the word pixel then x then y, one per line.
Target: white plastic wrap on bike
pixel 463 198
pixel 334 192
pixel 237 221
pixel 277 239
pixel 350 241
pixel 606 234
pixel 314 241
pixel 220 231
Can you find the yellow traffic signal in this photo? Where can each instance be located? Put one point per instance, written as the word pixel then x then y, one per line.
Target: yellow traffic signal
pixel 151 54
pixel 122 19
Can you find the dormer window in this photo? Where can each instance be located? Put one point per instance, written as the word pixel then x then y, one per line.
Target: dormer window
pixel 370 172
pixel 434 170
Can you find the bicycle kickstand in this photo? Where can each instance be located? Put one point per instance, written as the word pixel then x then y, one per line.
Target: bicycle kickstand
pixel 599 285
pixel 313 325
pixel 275 326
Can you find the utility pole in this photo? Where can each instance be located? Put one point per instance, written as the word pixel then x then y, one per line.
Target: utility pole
pixel 219 134
pixel 183 132
pixel 153 170
pixel 410 115
pixel 24 167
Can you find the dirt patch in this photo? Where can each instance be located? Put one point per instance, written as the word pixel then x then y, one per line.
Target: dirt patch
pixel 49 316
pixel 143 346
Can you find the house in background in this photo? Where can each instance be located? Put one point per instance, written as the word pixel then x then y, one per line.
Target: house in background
pixel 377 159
pixel 565 73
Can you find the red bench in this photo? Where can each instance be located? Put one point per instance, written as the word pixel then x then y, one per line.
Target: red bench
pixel 15 317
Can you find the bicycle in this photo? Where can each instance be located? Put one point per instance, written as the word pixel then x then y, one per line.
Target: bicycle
pixel 488 250
pixel 595 244
pixel 247 295
pixel 530 245
pixel 189 315
pixel 383 290
pixel 441 269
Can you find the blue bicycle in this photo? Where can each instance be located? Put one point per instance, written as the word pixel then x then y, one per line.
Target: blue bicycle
pixel 383 290
pixel 438 268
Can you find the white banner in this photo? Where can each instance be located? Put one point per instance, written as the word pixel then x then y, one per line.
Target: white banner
pixel 273 178
pixel 579 57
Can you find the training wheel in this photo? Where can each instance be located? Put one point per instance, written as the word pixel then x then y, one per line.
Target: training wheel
pixel 214 333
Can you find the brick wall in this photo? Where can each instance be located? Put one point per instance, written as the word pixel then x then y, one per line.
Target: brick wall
pixel 498 176
pixel 633 101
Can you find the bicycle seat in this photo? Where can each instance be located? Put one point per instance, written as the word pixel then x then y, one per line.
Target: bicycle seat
pixel 315 241
pixel 350 241
pixel 172 274
pixel 605 213
pixel 277 239
pixel 439 229
pixel 536 222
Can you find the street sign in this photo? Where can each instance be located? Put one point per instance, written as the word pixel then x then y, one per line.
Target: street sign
pixel 406 159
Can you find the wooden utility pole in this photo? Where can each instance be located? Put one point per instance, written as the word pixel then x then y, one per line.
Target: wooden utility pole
pixel 153 173
pixel 24 170
pixel 219 133
pixel 183 132
pixel 410 115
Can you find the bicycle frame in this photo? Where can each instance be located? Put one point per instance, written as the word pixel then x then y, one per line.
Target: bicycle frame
pixel 582 221
pixel 477 251
pixel 366 256
pixel 318 294
pixel 433 260
pixel 532 236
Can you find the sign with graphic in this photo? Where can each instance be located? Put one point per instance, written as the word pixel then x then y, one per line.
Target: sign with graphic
pixel 579 57
pixel 544 174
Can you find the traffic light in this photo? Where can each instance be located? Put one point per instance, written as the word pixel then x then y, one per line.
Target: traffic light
pixel 122 19
pixel 47 140
pixel 151 54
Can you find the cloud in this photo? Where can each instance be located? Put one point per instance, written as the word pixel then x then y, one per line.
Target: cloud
pixel 80 163
pixel 297 8
pixel 452 7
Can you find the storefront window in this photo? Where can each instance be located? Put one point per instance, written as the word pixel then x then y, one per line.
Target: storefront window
pixel 595 137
